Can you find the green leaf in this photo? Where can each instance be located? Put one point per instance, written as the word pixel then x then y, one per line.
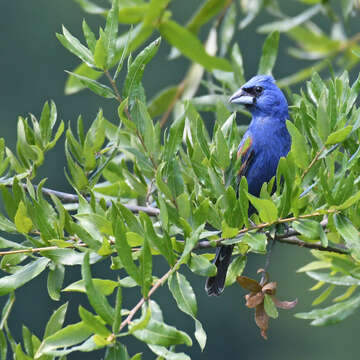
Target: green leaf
pixel 89 36
pixel 22 221
pixel 66 337
pixel 162 101
pixel 183 294
pixel 158 333
pixel 93 85
pixel 186 301
pixel 349 233
pixel 123 249
pixel 156 9
pixel 22 276
pixel 237 64
pixel 298 146
pixel 101 223
pixel 227 29
pixel 308 228
pixel 200 334
pixel 117 352
pixel 111 29
pixel 56 320
pixel 206 12
pixel 315 265
pixel 332 279
pixel 90 7
pixel 200 265
pixel 28 344
pixel 104 286
pixel 236 268
pixel 93 323
pixel 73 45
pixel 350 290
pixel 137 67
pixel 118 306
pixel 228 232
pixel 97 300
pixel 190 46
pixel 289 23
pixel 270 307
pixel 164 353
pixel 141 323
pixel 163 244
pixel 74 84
pixel 123 55
pixel 145 268
pixel 269 53
pixel 353 199
pixel 191 241
pixel 55 280
pixel 322 117
pixel 266 208
pixel 3 346
pixel 323 296
pixel 332 314
pixel 222 150
pixel 145 125
pixel 339 135
pixel 201 136
pixel 100 54
pixel 174 139
pixel 256 241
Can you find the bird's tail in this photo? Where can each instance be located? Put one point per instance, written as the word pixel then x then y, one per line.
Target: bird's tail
pixel 214 285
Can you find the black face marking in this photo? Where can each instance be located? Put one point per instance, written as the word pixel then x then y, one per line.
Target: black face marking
pixel 255 91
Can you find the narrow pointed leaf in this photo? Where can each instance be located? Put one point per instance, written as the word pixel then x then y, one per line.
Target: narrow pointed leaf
pixel 97 300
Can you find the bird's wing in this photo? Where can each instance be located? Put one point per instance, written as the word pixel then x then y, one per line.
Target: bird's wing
pixel 247 153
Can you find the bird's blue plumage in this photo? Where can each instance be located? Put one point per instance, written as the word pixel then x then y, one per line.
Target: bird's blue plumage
pixel 263 144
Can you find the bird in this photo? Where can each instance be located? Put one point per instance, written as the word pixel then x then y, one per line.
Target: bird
pixel 265 141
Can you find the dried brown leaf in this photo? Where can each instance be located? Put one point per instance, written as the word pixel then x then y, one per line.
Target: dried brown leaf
pixel 270 288
pixel 249 284
pixel 284 304
pixel 254 299
pixel 262 320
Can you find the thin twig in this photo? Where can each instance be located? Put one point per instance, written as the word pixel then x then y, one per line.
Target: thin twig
pixel 113 85
pixel 36 250
pixel 313 161
pixel 136 308
pixel 268 258
pixel 287 238
pixel 279 221
pixel 314 246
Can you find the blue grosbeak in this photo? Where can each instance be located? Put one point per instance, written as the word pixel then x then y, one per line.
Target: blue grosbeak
pixel 263 144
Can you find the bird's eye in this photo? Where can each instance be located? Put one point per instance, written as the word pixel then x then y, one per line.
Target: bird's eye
pixel 258 89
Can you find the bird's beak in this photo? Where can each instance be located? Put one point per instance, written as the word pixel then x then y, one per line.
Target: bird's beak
pixel 241 97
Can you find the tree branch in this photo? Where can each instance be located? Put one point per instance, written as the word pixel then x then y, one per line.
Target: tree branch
pixel 67 198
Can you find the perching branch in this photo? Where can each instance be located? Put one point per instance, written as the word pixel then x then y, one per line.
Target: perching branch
pixel 289 237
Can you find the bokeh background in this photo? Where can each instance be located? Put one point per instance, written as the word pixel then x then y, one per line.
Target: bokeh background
pixel 32 64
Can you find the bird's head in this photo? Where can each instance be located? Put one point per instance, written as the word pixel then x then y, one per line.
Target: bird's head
pixel 261 97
